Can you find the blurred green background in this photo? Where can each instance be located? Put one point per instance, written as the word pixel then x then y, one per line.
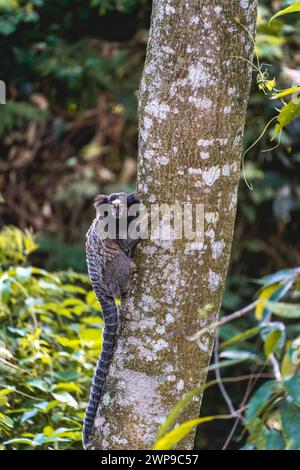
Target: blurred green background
pixel 68 132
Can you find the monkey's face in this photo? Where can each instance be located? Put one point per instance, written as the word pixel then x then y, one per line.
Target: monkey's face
pixel 118 203
pixel 115 205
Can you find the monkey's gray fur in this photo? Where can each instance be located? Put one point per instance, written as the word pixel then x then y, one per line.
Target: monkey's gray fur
pixel 109 266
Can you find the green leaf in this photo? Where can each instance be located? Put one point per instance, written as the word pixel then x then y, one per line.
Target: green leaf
pixel 45 406
pixel 5 287
pixel 6 391
pixel 6 421
pixel 48 431
pixel 293 387
pixel 92 300
pixel 28 415
pixel 238 355
pixel 274 440
pixel 241 337
pixel 90 335
pixel 67 375
pixel 23 274
pixel 260 398
pixel 68 343
pixel 40 384
pixel 176 435
pixel 286 92
pixel 290 420
pixel 265 295
pixel 291 9
pixel 271 342
pixel 20 440
pixel 70 387
pixel 284 310
pixel 177 410
pixel 286 115
pixel 65 397
pixel 279 276
pixel 287 367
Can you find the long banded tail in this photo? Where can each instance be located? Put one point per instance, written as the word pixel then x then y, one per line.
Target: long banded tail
pixel 110 315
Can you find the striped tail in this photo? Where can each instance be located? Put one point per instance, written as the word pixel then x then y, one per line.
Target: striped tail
pixel 110 315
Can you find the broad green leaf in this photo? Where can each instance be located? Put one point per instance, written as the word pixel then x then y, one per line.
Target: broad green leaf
pixel 67 375
pixel 263 297
pixel 279 276
pixel 271 342
pixel 70 387
pixel 293 387
pixel 6 391
pixel 27 415
pixel 20 440
pixel 241 337
pixel 256 430
pixel 290 420
pixel 286 92
pixel 73 303
pixel 291 9
pixel 274 440
pixel 48 431
pixel 238 355
pixel 74 289
pixel 69 343
pixel 92 301
pixel 90 335
pixel 228 363
pixel 286 115
pixel 43 272
pixel 248 447
pixel 6 421
pixel 23 274
pixel 284 310
pixel 177 410
pixel 40 384
pixel 65 397
pixel 287 367
pixel 5 353
pixel 169 440
pixel 259 399
pixel 93 321
pixel 5 288
pixel 45 406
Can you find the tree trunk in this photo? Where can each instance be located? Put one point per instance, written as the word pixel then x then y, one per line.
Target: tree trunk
pixel 192 105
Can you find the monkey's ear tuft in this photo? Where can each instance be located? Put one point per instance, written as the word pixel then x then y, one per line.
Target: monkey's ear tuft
pixel 133 198
pixel 100 199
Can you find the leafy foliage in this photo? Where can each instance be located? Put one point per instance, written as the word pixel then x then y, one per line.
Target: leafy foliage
pixel 270 416
pixel 51 169
pixel 291 9
pixel 14 114
pixel 50 338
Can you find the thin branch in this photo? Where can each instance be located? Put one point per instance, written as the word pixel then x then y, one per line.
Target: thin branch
pixel 223 321
pixel 251 384
pixel 276 368
pixel 219 379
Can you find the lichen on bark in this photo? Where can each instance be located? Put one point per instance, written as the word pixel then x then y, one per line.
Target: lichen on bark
pixel 192 104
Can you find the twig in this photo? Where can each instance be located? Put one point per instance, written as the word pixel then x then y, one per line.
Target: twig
pixel 223 391
pixel 224 320
pixel 253 379
pixel 276 368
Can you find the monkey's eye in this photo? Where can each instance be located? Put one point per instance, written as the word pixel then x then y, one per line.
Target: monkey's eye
pixel 105 213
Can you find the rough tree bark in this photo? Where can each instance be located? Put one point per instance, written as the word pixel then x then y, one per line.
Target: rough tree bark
pixel 192 104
